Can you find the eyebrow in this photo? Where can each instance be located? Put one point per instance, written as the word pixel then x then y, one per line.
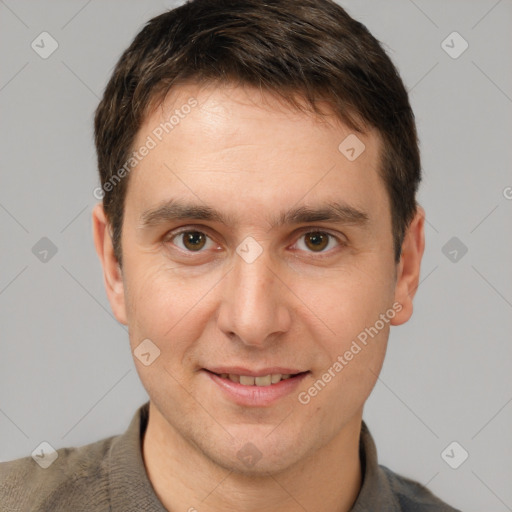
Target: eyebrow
pixel 175 209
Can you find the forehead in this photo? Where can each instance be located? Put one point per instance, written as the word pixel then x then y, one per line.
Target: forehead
pixel 231 145
pixel 246 113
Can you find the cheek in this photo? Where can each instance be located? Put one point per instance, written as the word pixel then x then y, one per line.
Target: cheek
pixel 350 367
pixel 168 311
pixel 163 305
pixel 348 300
pixel 348 309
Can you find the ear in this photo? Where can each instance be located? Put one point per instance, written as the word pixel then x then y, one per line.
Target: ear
pixel 408 269
pixel 112 274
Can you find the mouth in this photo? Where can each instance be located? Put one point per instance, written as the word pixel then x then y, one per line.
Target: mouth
pixel 256 388
pixel 264 380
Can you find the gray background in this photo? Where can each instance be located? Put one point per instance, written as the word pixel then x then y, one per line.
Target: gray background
pixel 66 372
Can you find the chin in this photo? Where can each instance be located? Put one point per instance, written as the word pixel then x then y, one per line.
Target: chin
pixel 251 462
pixel 254 451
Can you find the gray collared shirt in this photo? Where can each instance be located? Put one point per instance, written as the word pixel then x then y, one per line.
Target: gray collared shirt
pixel 109 475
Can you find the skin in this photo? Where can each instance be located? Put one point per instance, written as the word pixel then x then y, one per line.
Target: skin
pixel 251 157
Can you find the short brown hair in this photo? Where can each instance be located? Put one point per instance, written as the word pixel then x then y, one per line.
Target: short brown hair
pixel 310 49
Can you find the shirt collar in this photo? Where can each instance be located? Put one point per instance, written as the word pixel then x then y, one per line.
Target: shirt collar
pixel 131 490
pixel 376 493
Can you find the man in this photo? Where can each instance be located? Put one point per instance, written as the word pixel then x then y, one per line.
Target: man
pixel 259 234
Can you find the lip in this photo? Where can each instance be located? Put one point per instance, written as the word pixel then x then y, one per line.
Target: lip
pixel 255 396
pixel 239 370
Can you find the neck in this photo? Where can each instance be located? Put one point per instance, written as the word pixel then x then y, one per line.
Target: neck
pixel 185 479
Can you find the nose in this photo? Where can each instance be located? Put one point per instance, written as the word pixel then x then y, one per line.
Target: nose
pixel 255 305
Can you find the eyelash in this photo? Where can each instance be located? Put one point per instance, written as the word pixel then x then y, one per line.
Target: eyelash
pixel 191 229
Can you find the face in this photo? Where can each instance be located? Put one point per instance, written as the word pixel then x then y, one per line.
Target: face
pixel 254 248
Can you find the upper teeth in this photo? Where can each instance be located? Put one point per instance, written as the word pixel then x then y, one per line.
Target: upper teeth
pixel 264 380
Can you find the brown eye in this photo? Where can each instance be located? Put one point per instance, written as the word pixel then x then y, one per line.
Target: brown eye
pixel 316 241
pixel 193 240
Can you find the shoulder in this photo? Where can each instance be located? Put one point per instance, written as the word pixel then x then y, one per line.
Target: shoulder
pixel 78 477
pixel 412 496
